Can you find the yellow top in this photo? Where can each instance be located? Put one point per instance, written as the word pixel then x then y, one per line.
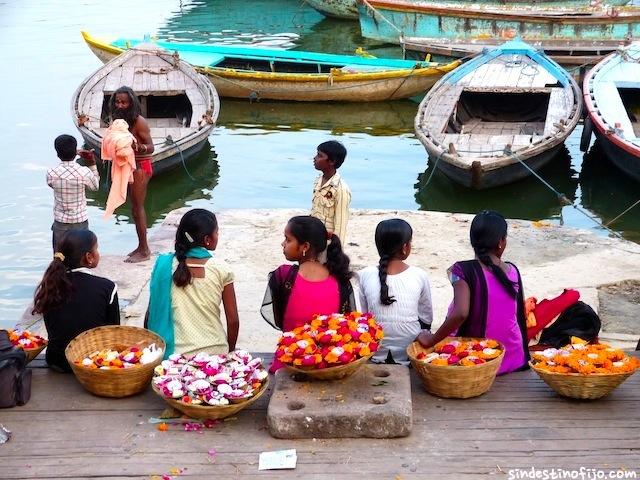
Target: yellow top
pixel 196 311
pixel 331 205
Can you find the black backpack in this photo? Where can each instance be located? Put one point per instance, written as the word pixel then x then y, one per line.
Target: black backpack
pixel 15 379
pixel 579 320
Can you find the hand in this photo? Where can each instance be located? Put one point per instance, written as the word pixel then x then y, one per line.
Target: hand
pixel 426 339
pixel 88 156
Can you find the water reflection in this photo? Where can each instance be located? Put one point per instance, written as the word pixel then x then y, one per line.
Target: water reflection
pixel 171 190
pixel 526 199
pixel 608 192
pixel 376 118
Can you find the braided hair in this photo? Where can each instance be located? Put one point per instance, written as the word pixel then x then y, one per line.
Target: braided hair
pixel 390 236
pixel 194 226
pixel 55 287
pixel 487 229
pixel 305 228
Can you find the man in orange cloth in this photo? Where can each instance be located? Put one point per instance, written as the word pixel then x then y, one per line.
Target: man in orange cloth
pixel 117 147
pixel 124 104
pixel 540 315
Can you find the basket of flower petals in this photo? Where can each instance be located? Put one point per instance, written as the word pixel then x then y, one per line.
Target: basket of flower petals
pixel 457 367
pixel 31 344
pixel 331 347
pixel 115 360
pixel 583 370
pixel 208 386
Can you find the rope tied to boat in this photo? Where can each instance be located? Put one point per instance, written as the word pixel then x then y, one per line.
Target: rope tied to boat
pixel 206 119
pixel 562 198
pixel 372 11
pixel 170 142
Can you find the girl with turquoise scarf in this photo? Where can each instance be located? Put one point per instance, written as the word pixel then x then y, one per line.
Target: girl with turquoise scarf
pixel 187 288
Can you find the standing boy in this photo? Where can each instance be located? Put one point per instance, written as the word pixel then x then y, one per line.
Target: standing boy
pixel 331 195
pixel 69 180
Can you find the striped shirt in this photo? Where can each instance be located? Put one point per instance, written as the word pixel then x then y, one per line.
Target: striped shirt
pixel 69 180
pixel 331 205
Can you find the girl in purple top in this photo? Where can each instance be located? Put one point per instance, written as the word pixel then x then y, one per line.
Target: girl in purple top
pixel 296 293
pixel 488 296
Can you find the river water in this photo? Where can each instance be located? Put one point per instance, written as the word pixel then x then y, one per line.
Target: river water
pixel 259 156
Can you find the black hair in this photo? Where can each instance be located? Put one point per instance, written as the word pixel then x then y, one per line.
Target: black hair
pixel 390 236
pixel 305 228
pixel 66 147
pixel 55 287
pixel 131 113
pixel 487 229
pixel 194 226
pixel 334 151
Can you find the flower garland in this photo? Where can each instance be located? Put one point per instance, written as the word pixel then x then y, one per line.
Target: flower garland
pixel 113 359
pixel 462 353
pixel 330 340
pixel 584 358
pixel 204 379
pixel 25 339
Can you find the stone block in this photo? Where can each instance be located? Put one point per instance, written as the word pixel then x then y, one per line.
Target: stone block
pixel 374 402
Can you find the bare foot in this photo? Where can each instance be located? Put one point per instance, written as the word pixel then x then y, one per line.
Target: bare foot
pixel 133 252
pixel 138 257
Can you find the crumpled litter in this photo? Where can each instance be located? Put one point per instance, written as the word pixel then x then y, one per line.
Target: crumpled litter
pixel 5 434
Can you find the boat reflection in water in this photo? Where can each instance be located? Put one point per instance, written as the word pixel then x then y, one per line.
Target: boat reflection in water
pixel 527 199
pixel 373 118
pixel 607 192
pixel 171 190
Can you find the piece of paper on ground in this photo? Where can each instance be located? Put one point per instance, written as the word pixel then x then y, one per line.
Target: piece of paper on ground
pixel 280 459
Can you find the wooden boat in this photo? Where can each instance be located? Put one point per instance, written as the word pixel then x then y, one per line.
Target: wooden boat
pixel 510 105
pixel 260 73
pixel 564 52
pixel 343 9
pixel 180 105
pixel 612 102
pixel 388 20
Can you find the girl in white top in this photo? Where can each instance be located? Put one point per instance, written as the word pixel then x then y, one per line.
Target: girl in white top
pixel 397 294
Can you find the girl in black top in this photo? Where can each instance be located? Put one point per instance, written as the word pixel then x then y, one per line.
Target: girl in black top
pixel 72 299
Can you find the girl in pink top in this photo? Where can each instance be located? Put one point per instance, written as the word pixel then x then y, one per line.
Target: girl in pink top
pixel 487 295
pixel 296 293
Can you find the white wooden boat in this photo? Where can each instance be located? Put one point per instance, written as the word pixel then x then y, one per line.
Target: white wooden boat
pixel 509 106
pixel 344 9
pixel 180 105
pixel 612 102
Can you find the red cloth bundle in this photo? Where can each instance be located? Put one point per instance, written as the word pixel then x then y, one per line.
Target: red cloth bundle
pixel 546 311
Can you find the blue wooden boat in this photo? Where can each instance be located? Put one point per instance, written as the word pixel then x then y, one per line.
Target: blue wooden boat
pixel 612 102
pixel 508 106
pixel 390 20
pixel 294 75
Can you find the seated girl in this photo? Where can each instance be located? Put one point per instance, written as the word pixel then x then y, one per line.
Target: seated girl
pixel 487 295
pixel 187 288
pixel 396 293
pixel 71 298
pixel 295 293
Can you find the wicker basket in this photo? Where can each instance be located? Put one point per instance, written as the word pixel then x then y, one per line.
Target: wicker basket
pixel 332 373
pixel 577 385
pixel 454 381
pixel 33 352
pixel 120 382
pixel 212 412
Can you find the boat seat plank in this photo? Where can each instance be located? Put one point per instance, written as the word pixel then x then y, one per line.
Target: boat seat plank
pixel 202 58
pixel 558 110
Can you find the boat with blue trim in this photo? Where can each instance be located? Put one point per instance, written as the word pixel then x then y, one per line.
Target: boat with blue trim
pixel 612 103
pixel 499 117
pixel 264 73
pixel 391 20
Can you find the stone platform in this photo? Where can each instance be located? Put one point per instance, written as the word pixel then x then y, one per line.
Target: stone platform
pixel 374 402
